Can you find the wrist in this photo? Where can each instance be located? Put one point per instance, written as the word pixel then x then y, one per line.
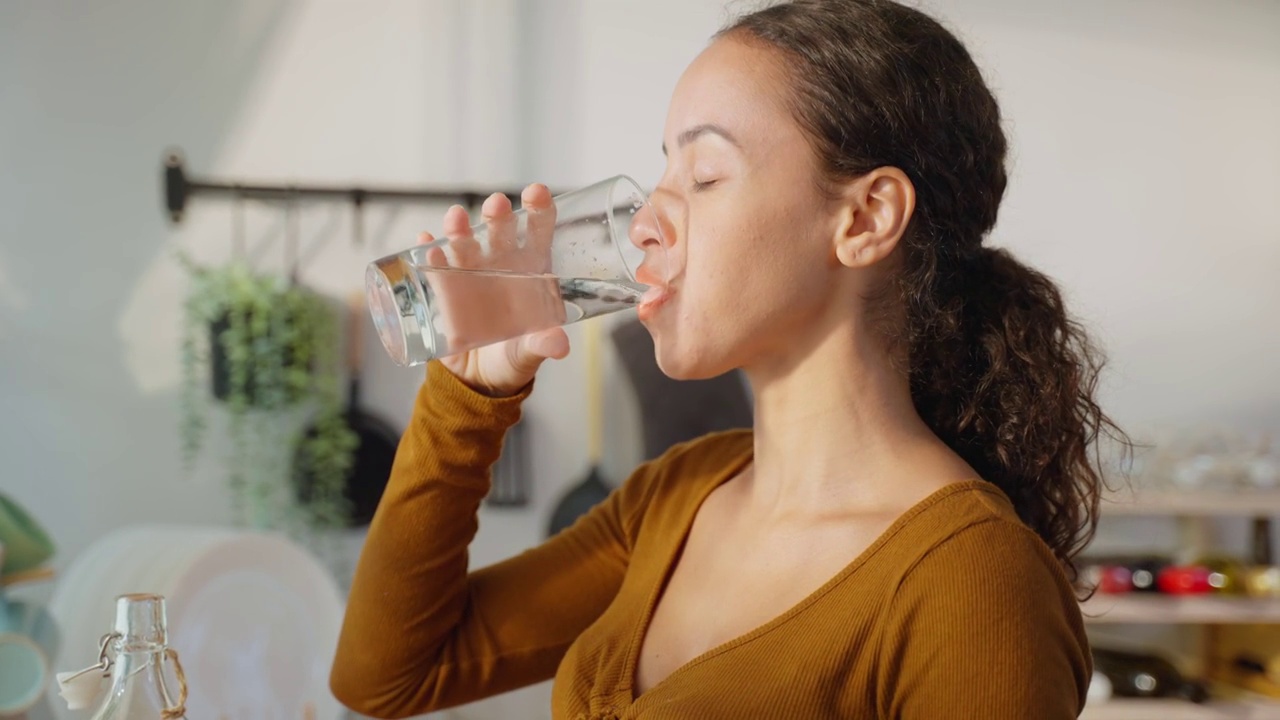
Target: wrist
pixel 439 373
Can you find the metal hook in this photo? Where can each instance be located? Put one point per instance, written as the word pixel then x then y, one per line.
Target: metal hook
pixel 357 216
pixel 238 247
pixel 291 238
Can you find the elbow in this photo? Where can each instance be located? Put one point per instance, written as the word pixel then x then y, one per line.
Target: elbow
pixel 356 690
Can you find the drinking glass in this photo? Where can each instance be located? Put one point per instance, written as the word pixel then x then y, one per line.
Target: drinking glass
pixel 597 250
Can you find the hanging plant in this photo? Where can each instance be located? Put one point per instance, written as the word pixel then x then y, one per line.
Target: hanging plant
pixel 265 349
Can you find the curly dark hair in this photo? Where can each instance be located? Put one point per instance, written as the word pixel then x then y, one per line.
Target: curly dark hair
pixel 998 369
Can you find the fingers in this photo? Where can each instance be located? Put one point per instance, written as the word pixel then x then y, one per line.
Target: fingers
pixel 462 244
pixel 501 222
pixel 436 257
pixel 541 210
pixel 433 256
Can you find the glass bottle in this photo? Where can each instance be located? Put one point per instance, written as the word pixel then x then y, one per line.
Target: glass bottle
pixel 139 690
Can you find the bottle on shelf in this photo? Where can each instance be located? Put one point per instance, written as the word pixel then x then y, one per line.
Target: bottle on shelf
pixel 1262 578
pixel 1146 574
pixel 1146 675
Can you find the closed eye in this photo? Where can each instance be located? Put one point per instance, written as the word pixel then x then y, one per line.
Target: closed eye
pixel 699 185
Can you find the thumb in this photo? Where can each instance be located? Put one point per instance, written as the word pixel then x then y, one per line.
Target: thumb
pixel 529 352
pixel 552 343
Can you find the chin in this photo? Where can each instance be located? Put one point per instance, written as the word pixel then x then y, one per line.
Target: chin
pixel 685 363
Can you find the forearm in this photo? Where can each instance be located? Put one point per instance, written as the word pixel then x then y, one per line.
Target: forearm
pixel 410 590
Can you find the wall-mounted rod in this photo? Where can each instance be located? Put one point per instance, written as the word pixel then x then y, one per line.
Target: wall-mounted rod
pixel 179 188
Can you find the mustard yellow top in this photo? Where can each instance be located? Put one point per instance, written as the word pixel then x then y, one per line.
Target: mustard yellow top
pixel 957 611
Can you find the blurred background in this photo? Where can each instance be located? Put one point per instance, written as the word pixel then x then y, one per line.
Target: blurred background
pixel 1145 180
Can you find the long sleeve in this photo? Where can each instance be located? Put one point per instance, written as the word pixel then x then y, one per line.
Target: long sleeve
pixel 422 633
pixel 985 627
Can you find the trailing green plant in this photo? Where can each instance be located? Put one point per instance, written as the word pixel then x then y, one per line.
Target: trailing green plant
pixel 266 350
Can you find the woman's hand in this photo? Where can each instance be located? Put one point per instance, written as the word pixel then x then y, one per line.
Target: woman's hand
pixel 506 367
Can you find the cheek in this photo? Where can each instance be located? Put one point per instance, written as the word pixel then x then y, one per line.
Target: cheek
pixel 746 274
pixel 761 257
pixel 724 259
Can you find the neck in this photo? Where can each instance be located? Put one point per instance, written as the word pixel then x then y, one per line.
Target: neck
pixel 833 426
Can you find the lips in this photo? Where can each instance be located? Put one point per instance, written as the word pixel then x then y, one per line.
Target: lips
pixel 660 288
pixel 652 300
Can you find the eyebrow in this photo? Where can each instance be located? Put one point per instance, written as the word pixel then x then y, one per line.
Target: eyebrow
pixel 698 131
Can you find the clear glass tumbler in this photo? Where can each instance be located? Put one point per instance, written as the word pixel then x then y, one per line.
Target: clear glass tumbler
pixel 596 251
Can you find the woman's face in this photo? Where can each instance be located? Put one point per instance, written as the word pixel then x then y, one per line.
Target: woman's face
pixel 750 236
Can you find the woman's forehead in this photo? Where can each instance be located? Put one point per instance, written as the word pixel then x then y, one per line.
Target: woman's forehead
pixel 731 85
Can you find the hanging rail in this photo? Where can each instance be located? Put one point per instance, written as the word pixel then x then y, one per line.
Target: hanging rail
pixel 179 188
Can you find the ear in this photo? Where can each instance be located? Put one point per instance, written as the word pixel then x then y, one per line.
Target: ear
pixel 874 212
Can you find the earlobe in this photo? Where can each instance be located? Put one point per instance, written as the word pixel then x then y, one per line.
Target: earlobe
pixel 877 209
pixel 849 254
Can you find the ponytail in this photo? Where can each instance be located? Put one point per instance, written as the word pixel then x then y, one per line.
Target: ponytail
pixel 1003 375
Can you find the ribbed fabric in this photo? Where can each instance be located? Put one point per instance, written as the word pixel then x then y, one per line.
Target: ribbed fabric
pixel 957 611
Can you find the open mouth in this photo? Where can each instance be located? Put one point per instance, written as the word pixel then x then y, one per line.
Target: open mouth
pixel 652 300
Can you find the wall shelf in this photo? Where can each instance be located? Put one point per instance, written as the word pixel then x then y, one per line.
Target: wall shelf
pixel 1198 503
pixel 1143 608
pixel 1160 709
pixel 1193 509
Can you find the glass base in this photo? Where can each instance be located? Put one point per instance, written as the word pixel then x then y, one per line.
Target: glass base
pixel 400 309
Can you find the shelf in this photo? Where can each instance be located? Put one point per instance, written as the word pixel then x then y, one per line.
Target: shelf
pixel 1155 609
pixel 1242 503
pixel 1153 709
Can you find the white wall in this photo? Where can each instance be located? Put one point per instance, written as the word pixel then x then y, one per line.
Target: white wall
pixel 1146 172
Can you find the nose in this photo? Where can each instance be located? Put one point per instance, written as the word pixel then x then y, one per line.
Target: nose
pixel 652 232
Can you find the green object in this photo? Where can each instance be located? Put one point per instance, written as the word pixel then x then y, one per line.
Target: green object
pixel 26 544
pixel 263 349
pixel 28 640
pixel 24 674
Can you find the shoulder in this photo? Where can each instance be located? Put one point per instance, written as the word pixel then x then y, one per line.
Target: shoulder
pixel 672 480
pixel 972 569
pixel 983 578
pixel 707 454
pixel 683 464
pixel 982 606
pixel 669 482
pixel 686 471
pixel 970 525
pixel 974 543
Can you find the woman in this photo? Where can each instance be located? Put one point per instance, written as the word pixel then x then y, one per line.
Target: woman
pixel 894 539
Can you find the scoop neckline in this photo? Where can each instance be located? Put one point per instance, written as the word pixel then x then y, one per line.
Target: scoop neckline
pixel 655 593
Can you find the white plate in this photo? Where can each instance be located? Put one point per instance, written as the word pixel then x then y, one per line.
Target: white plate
pixel 253 617
pixel 257 621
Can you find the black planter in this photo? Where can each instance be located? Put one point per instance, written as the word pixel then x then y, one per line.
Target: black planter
pixel 220 366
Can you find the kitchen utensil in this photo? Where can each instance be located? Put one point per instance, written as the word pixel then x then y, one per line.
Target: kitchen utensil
pixel 510 486
pixel 376 439
pixel 592 489
pixel 676 411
